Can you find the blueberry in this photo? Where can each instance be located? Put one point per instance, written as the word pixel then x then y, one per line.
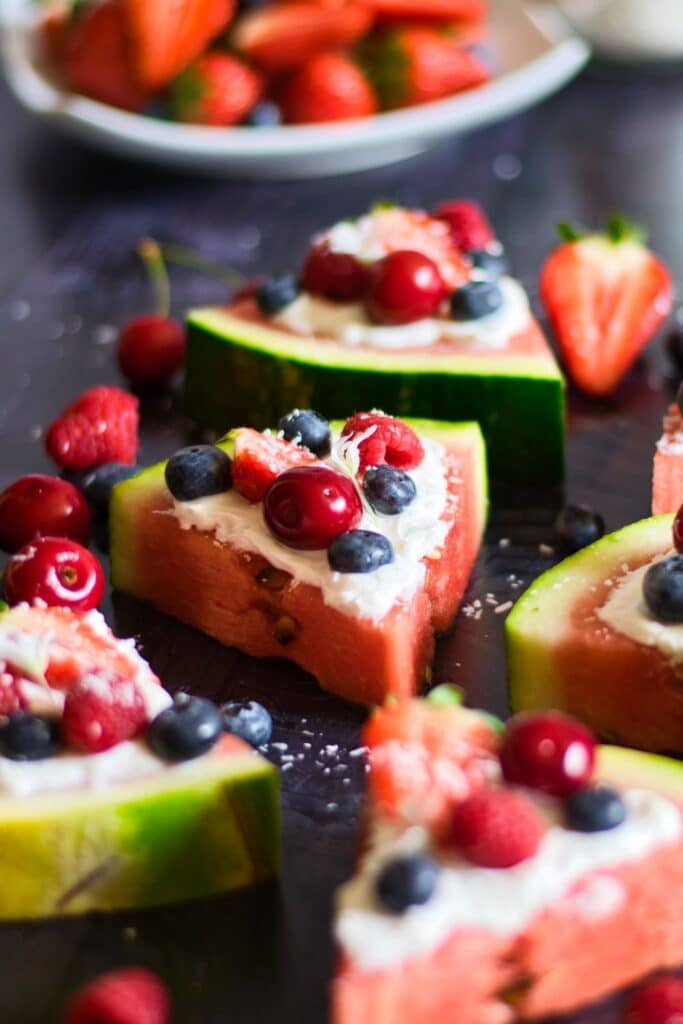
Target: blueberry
pixel 307 427
pixel 663 589
pixel 596 809
pixel 248 720
pixel 476 299
pixel 276 292
pixel 186 729
pixel 576 527
pixel 388 490
pixel 359 551
pixel 29 737
pixel 489 261
pixel 407 882
pixel 265 114
pixel 98 484
pixel 198 471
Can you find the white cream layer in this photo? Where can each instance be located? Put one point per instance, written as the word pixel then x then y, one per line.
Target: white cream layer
pixel 572 867
pixel 415 533
pixel 625 612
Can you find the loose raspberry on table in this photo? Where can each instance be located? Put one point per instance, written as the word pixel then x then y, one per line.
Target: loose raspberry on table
pixel 470 229
pixel 100 426
pixel 390 442
pixel 101 711
pixel 131 995
pixel 496 828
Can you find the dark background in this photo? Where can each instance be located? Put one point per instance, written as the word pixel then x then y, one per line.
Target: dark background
pixel 613 141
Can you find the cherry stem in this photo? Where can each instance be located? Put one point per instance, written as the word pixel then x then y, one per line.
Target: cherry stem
pixel 151 255
pixel 189 258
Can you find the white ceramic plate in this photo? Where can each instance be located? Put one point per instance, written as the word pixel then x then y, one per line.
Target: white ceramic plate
pixel 534 50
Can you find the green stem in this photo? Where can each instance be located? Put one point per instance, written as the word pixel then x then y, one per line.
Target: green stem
pixel 189 258
pixel 150 253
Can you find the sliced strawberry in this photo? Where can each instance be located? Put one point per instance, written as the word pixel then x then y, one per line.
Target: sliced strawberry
pixel 168 34
pixel 469 11
pixel 282 36
pixel 259 458
pixel 606 295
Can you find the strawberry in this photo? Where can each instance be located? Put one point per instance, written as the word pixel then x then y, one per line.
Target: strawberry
pixel 469 226
pixel 101 711
pixel 94 56
pixel 605 295
pixel 54 32
pixel 470 12
pixel 496 828
pixel 100 426
pixel 216 89
pixel 259 458
pixel 328 87
pixel 417 64
pixel 168 34
pixel 282 36
pixel 131 995
pixel 389 441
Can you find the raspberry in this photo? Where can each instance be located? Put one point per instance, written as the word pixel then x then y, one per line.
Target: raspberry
pixel 470 230
pixel 100 426
pixel 128 996
pixel 391 442
pixel 101 711
pixel 659 1002
pixel 259 458
pixel 496 828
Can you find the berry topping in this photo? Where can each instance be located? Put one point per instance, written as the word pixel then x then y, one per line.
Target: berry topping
pixel 265 114
pixel 276 292
pixel 101 711
pixel 407 882
pixel 663 589
pixel 308 506
pixel 151 350
pixel 100 426
pixel 658 1002
pixel 189 728
pixel 334 275
pixel 28 737
pixel 98 484
pixel 40 504
pixel 198 471
pixel 389 441
pixel 388 490
pixel 547 750
pixel 57 571
pixel 248 720
pixel 476 299
pixel 576 527
pixel 594 809
pixel 404 286
pixel 259 458
pixel 128 996
pixel 359 551
pixel 496 828
pixel 677 531
pixel 308 428
pixel 490 261
pixel 470 230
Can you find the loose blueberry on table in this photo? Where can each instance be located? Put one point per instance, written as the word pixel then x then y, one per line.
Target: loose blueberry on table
pixel 248 720
pixel 577 526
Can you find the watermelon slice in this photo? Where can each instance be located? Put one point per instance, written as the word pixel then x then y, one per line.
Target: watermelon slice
pixel 121 828
pixel 493 945
pixel 250 594
pixel 564 653
pixel 667 478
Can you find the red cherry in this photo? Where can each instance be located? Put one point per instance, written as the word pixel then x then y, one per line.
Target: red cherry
pixel 40 504
pixel 308 506
pixel 678 530
pixel 334 275
pixel 547 750
pixel 659 1002
pixel 151 350
pixel 404 286
pixel 57 571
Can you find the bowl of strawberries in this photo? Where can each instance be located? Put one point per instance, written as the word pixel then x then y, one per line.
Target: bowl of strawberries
pixel 281 88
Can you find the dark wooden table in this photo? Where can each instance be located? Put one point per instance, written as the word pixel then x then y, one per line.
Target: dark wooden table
pixel 70 220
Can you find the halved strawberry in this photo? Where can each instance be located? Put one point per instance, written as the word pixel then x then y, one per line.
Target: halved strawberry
pixel 259 458
pixel 282 36
pixel 471 11
pixel 605 295
pixel 168 34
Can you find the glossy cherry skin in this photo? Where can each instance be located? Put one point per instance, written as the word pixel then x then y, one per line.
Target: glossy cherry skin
pixel 57 571
pixel 658 1002
pixel 334 275
pixel 37 505
pixel 548 751
pixel 151 350
pixel 308 506
pixel 404 286
pixel 678 530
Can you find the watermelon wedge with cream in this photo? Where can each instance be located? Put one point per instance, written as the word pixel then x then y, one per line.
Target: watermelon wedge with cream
pixel 667 475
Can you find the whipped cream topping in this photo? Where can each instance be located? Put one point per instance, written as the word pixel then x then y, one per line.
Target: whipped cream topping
pixel 416 533
pixel 626 612
pixel 572 867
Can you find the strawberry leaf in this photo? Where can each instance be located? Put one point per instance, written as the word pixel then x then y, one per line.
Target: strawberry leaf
pixel 620 229
pixel 569 233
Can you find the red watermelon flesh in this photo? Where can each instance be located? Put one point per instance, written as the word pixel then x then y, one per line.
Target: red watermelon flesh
pixel 667 479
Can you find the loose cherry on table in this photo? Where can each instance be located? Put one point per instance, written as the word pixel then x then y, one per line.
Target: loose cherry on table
pixel 57 571
pixel 548 751
pixel 151 350
pixel 334 275
pixel 38 504
pixel 308 506
pixel 658 1002
pixel 404 286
